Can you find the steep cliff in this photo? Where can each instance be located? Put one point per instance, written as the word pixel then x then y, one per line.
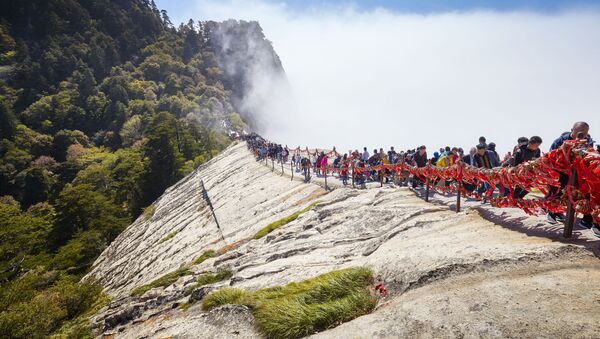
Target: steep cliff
pixel 252 69
pixel 448 274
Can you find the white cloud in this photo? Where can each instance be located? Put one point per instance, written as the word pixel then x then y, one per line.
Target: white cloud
pixel 380 79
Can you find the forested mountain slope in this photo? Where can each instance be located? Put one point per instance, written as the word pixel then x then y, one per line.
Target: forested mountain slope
pixel 103 105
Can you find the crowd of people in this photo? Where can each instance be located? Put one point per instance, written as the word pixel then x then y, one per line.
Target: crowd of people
pixel 482 155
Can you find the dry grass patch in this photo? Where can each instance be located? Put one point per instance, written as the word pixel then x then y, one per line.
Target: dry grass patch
pixel 232 246
pixel 312 196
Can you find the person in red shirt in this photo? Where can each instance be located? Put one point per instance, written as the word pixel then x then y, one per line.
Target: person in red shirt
pixel 344 169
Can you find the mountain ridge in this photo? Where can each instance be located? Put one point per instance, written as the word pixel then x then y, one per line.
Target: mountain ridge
pixel 412 246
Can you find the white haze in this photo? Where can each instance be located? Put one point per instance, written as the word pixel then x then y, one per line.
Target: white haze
pixel 381 79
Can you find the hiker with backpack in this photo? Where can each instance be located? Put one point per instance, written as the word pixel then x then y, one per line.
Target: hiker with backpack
pixel 305 163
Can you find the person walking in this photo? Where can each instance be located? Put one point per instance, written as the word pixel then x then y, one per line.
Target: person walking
pixel 345 164
pixel 435 158
pixel 525 153
pixel 420 160
pixel 305 163
pixel 482 141
pixel 392 155
pixel 485 159
pixel 365 155
pixel 448 160
pixel 323 164
pixel 492 147
pixel 579 131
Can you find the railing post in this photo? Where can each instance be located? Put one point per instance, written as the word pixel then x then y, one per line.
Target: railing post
pixel 281 166
pixel 273 164
pixel 292 169
pixel 353 176
pixel 568 231
pixel 458 188
pixel 381 176
pixel 326 179
pixel 427 190
pixel 402 170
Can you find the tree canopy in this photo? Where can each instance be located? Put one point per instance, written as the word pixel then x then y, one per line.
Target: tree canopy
pixel 103 105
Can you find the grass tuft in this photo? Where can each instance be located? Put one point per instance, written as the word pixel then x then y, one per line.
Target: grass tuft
pixel 226 296
pixel 211 278
pixel 149 211
pixel 302 308
pixel 206 255
pixel 168 237
pixel 276 224
pixel 163 281
pixel 186 305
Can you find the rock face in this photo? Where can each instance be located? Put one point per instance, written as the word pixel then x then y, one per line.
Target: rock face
pixel 449 274
pixel 246 196
pixel 253 70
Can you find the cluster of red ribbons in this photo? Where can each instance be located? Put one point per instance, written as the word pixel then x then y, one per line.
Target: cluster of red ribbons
pixel 382 291
pixel 573 158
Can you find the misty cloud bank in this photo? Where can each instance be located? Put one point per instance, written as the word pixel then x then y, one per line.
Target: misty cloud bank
pixel 379 79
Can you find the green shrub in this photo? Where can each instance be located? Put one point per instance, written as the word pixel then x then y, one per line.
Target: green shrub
pixel 44 310
pixel 303 308
pixel 207 254
pixel 168 237
pixel 276 224
pixel 80 327
pixel 80 252
pixel 163 281
pixel 26 287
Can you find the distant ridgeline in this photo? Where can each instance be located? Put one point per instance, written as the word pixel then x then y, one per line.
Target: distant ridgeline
pixel 103 105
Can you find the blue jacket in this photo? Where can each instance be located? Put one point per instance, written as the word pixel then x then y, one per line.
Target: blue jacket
pixel 564 137
pixel 493 159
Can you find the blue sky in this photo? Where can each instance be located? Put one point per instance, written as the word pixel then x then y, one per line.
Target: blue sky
pixel 427 6
pixel 179 11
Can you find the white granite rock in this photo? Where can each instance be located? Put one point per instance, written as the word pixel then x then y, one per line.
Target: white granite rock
pixel 449 274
